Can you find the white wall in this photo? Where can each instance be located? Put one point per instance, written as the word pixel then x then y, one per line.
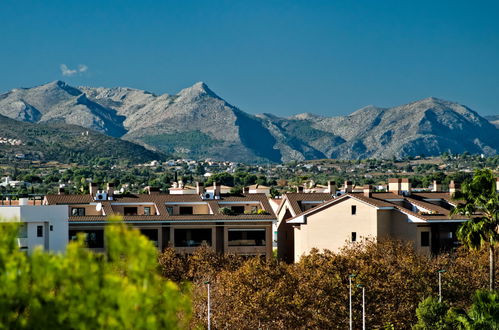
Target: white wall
pixel 52 218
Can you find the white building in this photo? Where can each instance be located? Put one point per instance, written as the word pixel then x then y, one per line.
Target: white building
pixel 41 225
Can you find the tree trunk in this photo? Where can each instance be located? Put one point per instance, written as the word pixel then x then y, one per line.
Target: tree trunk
pixel 492 268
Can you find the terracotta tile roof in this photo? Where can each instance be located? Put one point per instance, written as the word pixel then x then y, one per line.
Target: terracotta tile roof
pixel 160 201
pixel 391 200
pixel 177 218
pixel 296 198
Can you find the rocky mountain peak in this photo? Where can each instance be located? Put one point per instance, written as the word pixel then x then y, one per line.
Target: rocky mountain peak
pixel 199 89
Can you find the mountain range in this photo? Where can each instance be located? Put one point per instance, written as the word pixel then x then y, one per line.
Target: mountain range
pixel 197 123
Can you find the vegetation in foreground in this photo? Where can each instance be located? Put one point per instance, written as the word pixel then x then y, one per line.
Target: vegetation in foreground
pixel 120 289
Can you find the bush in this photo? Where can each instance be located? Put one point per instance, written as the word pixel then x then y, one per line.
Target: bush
pixel 84 290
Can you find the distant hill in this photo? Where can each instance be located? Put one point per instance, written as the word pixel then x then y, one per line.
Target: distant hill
pixel 197 123
pixel 66 143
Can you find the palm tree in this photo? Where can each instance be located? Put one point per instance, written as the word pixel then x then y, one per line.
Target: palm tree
pixel 479 201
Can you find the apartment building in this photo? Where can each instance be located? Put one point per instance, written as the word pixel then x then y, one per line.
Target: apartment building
pixel 184 219
pixel 44 227
pixel 348 216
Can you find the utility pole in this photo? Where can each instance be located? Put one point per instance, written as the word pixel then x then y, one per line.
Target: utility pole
pixel 440 272
pixel 350 277
pixel 363 305
pixel 209 306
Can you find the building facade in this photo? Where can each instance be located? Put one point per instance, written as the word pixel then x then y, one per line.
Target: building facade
pixel 186 219
pixel 350 216
pixel 43 227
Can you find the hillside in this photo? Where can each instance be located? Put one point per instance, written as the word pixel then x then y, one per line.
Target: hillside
pixel 66 143
pixel 197 123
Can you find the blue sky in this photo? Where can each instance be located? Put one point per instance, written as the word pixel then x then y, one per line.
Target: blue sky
pixel 283 57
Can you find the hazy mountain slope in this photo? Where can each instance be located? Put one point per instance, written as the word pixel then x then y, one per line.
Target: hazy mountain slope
pixel 67 143
pixel 59 102
pixel 197 123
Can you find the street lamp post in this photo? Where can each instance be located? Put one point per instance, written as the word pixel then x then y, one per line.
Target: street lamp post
pixel 350 277
pixel 363 305
pixel 440 272
pixel 209 307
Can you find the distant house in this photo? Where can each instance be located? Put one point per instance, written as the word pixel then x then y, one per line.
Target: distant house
pixel 422 218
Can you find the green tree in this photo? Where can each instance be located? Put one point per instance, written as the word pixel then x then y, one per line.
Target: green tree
pixel 433 315
pixel 80 289
pixel 483 313
pixel 479 201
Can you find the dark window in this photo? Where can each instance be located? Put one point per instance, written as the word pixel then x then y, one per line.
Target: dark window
pixel 247 237
pixel 93 238
pixel 147 211
pixel 237 209
pixel 152 234
pixel 78 211
pixel 130 210
pixel 51 228
pixel 425 238
pixel 192 237
pixel 183 210
pixel 169 209
pixel 354 209
pixel 39 231
pixel 354 236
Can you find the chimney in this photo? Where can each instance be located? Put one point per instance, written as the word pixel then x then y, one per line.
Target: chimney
pixel 331 187
pixel 92 188
pixel 368 190
pixel 405 185
pixel 394 185
pixel 453 187
pixel 245 190
pixel 199 188
pixel 152 190
pixel 110 190
pixel 348 186
pixel 437 186
pixel 61 191
pixel 299 189
pixel 216 189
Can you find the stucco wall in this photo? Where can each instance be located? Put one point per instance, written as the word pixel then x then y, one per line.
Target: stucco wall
pixel 332 227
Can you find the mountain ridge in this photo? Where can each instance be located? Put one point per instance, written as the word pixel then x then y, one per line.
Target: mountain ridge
pixel 198 123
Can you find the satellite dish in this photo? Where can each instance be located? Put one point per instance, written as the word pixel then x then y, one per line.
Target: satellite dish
pixel 98 207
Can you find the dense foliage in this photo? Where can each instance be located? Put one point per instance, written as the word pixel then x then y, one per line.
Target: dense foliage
pixel 79 289
pixel 313 293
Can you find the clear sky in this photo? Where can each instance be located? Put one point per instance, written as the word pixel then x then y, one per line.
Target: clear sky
pixel 284 57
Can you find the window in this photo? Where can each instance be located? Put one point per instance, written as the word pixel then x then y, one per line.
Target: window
pixel 51 228
pixel 152 234
pixel 147 211
pixel 94 239
pixel 183 210
pixel 237 209
pixel 23 231
pixel 354 236
pixel 130 210
pixel 354 209
pixel 192 237
pixel 78 211
pixel 39 231
pixel 425 238
pixel 246 237
pixel 169 209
